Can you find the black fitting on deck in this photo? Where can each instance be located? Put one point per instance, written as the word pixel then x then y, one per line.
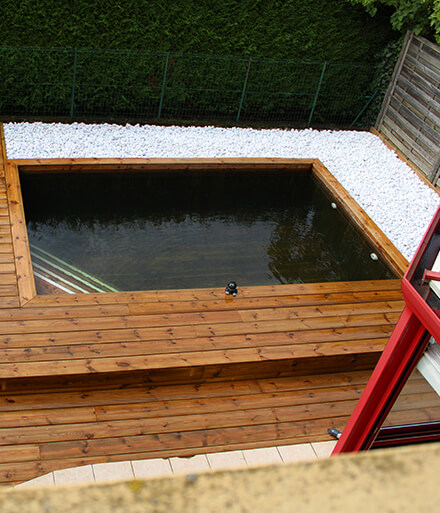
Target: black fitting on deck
pixel 335 433
pixel 231 288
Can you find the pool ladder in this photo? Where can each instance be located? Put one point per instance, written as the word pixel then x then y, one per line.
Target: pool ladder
pixel 66 277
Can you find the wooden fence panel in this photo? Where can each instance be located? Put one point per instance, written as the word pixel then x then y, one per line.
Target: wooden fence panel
pixel 410 113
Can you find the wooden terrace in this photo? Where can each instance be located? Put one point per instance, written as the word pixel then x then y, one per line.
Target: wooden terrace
pixel 132 375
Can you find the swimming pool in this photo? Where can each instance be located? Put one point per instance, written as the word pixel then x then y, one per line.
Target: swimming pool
pixel 148 230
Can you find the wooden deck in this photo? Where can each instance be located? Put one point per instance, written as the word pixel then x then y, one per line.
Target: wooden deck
pixel 107 377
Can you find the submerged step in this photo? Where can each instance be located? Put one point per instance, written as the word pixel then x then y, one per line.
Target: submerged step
pixel 55 272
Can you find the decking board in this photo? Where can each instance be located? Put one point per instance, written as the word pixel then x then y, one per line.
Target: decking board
pixel 106 377
pixel 8 277
pixel 65 428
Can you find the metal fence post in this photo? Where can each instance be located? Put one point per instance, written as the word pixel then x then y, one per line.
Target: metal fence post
pixel 72 101
pixel 315 99
pixel 164 81
pixel 243 92
pixel 364 108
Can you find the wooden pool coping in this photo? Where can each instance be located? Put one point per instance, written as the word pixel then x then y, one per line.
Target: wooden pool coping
pixel 25 278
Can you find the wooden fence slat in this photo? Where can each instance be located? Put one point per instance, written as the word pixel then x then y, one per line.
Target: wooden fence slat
pixel 427 45
pixel 419 81
pixel 417 99
pixel 400 142
pixel 417 142
pixel 410 113
pixel 396 73
pixel 416 123
pixel 422 68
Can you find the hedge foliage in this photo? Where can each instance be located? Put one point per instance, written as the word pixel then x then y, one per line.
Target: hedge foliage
pixel 420 16
pixel 283 29
pixel 122 46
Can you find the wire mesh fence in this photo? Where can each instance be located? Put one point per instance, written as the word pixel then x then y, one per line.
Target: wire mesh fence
pixel 90 84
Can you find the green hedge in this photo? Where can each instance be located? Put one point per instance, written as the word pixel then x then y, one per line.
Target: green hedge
pixel 102 78
pixel 323 30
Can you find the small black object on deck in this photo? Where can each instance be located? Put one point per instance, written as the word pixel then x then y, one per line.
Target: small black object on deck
pixel 335 433
pixel 231 288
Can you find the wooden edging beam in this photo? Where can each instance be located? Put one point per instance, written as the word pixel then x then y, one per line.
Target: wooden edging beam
pixel 205 164
pixel 26 282
pixel 374 234
pixel 3 157
pixel 22 255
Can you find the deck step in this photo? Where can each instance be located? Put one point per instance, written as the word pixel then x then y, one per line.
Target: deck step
pixel 58 274
pixel 95 422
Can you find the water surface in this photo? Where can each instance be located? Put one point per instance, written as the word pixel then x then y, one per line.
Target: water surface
pixel 143 231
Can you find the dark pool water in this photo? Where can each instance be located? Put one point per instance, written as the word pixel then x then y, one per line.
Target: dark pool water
pixel 141 231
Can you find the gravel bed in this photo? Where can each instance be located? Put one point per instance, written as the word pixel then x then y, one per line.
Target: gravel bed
pixel 386 188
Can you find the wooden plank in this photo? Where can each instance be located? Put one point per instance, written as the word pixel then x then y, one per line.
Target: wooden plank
pixel 9 301
pixel 96 336
pixel 25 471
pixel 188 439
pixel 413 141
pixel 147 393
pixel 211 437
pixel 8 282
pixel 113 322
pixel 46 417
pixel 251 423
pixel 187 350
pixel 416 107
pixel 396 135
pixel 8 290
pixel 189 359
pixel 423 67
pixel 434 172
pixel 392 256
pixel 5 238
pixel 6 250
pixel 229 365
pixel 241 303
pixel 49 313
pixel 415 124
pixel 217 293
pixel 171 399
pixel 227 404
pixel 430 61
pixel 8 279
pixel 397 418
pixel 418 81
pixel 7 268
pixel 24 452
pixel 50 465
pixel 25 275
pixel 307 312
pixel 425 144
pixel 82 349
pixel 396 73
pixel 424 43
pixel 292 328
pixel 3 157
pixel 296 324
pixel 161 165
pixel 174 424
pixel 199 320
pixel 413 157
pixel 425 47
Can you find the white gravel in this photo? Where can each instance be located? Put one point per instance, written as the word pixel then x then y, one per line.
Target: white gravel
pixel 386 188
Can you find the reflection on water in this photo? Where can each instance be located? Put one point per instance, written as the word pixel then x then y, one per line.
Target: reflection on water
pixel 143 231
